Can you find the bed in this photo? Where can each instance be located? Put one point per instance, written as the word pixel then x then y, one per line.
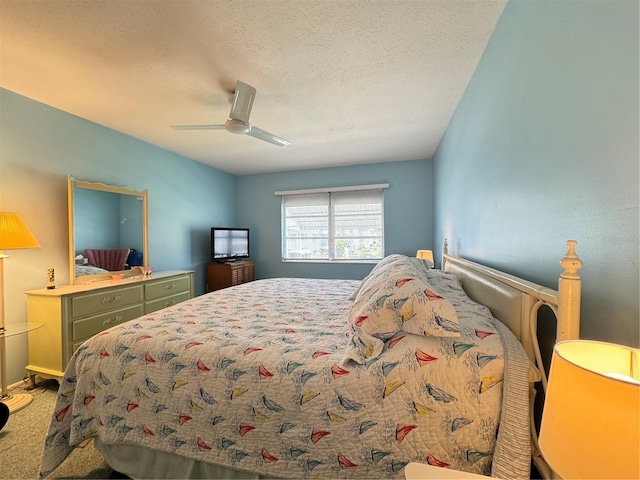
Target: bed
pixel 88 270
pixel 302 378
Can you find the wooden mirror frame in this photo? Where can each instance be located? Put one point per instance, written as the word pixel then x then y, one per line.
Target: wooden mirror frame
pixel 73 183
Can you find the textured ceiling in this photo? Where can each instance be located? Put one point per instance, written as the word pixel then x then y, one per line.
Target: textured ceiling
pixel 347 82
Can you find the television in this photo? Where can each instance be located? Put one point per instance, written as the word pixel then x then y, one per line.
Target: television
pixel 229 244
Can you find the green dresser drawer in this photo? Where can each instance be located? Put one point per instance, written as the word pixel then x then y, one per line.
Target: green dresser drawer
pixel 166 302
pixel 83 305
pixel 87 327
pixel 164 288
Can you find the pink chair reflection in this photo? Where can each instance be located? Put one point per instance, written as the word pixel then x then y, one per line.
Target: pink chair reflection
pixel 112 260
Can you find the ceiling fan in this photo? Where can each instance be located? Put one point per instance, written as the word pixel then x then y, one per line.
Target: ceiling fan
pixel 238 121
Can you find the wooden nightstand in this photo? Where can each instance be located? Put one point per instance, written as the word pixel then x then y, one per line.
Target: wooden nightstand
pixel 223 275
pixel 422 471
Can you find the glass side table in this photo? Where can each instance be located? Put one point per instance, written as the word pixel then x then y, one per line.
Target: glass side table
pixel 21 400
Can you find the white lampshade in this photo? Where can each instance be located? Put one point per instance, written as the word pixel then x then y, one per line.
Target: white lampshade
pixel 591 418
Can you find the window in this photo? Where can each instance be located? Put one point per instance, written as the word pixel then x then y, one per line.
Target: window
pixel 342 224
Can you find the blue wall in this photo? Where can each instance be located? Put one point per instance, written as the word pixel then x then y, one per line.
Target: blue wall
pixel 408 213
pixel 543 148
pixel 41 146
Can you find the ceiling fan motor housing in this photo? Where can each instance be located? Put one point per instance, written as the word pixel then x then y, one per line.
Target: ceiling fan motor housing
pixel 237 126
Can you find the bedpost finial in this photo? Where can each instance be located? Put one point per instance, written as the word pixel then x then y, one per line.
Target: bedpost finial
pixel 445 247
pixel 571 263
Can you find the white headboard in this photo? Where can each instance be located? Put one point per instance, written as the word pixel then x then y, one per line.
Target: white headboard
pixel 515 301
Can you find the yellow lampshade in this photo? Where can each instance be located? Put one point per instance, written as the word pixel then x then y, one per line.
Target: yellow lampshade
pixel 14 233
pixel 591 420
pixel 426 254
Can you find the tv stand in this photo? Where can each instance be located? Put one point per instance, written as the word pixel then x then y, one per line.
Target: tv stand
pixel 229 274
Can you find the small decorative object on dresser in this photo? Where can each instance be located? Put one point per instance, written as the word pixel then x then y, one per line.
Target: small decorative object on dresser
pixel 223 275
pixel 51 278
pixel 73 313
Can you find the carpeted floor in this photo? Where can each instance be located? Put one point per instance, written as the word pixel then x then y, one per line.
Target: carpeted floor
pixel 22 438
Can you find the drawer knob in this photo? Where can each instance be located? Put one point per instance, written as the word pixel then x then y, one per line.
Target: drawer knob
pixel 169 287
pixel 111 299
pixel 108 320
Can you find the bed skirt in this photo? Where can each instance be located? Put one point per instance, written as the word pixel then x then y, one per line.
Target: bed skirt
pixel 143 463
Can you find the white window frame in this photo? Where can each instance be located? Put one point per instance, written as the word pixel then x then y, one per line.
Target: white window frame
pixel 331 222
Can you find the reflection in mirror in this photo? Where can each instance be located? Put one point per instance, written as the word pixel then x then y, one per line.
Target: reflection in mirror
pixel 107 231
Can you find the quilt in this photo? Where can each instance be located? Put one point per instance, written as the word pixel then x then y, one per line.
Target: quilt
pixel 255 378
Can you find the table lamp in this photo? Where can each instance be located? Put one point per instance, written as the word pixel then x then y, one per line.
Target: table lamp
pixel 426 254
pixel 14 234
pixel 591 419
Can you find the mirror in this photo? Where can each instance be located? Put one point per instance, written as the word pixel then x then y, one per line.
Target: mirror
pixel 106 217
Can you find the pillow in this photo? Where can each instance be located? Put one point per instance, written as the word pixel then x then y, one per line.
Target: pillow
pixel 378 266
pixel 391 263
pixel 444 282
pixel 401 301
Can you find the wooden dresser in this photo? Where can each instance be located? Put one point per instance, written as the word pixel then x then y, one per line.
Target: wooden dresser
pixel 223 275
pixel 73 313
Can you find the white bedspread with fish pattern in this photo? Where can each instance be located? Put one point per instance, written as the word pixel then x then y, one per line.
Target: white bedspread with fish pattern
pixel 253 378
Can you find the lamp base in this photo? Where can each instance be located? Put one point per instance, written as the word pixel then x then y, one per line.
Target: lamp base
pixel 17 402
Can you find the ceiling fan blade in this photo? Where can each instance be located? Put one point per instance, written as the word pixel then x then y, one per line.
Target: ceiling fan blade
pixel 242 102
pixel 197 127
pixel 268 137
